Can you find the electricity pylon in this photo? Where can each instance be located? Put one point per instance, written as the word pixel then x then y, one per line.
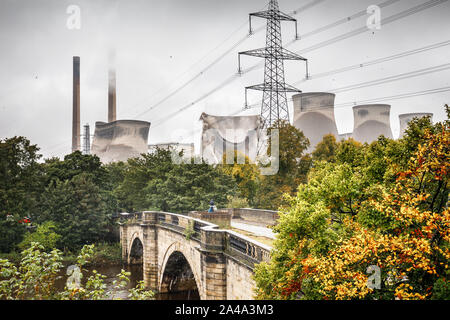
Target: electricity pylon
pixel 274 102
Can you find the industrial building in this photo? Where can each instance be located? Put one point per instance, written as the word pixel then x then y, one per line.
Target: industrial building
pixel 314 116
pixel 371 121
pixel 115 140
pixel 120 140
pixel 225 135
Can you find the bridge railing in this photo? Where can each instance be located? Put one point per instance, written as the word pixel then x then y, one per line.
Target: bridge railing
pixel 246 248
pixel 210 236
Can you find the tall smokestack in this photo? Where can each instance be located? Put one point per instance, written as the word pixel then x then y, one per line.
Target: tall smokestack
pixel 76 135
pixel 112 88
pixel 112 96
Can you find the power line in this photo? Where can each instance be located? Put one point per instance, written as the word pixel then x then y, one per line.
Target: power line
pixel 362 102
pixel 381 99
pixel 337 23
pixel 345 36
pixel 398 77
pixel 223 55
pixel 376 61
pixel 403 14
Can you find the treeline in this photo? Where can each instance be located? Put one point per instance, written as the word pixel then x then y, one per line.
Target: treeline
pixel 76 201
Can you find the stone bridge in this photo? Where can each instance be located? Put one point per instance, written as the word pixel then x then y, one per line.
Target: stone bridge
pixel 181 253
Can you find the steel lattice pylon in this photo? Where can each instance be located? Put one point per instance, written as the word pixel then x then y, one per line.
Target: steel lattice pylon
pixel 274 102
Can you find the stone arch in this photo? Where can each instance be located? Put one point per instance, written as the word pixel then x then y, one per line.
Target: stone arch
pixel 136 249
pixel 179 251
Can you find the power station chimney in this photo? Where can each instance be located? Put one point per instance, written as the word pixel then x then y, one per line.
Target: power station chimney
pixel 76 135
pixel 112 96
pixel 112 88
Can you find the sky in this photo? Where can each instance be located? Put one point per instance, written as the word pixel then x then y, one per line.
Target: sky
pixel 160 46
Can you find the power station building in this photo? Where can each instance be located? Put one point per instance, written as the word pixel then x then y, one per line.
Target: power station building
pixel 227 135
pixel 115 140
pixel 314 116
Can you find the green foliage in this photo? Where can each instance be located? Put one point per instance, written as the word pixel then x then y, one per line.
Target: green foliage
pixel 237 203
pixel 20 184
pixel 79 209
pixel 326 149
pixel 294 166
pixel 45 234
pixel 189 232
pixel 246 176
pixel 38 271
pixel 345 181
pixel 154 182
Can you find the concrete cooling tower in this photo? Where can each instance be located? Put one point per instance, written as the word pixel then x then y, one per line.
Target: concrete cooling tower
pixel 222 134
pixel 314 116
pixel 120 140
pixel 371 121
pixel 405 119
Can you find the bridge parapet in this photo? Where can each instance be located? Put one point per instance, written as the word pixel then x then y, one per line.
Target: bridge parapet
pixel 218 256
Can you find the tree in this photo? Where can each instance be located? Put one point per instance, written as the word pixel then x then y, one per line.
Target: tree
pixel 370 209
pixel 155 182
pixel 326 149
pixel 79 208
pixel 293 168
pixel 20 184
pixel 246 176
pixel 45 234
pixel 38 271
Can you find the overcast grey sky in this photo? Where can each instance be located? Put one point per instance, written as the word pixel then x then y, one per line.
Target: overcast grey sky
pixel 162 44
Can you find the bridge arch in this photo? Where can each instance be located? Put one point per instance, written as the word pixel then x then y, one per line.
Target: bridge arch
pixel 135 249
pixel 179 271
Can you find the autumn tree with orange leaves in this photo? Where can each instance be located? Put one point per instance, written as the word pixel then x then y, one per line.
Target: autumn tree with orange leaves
pixel 399 224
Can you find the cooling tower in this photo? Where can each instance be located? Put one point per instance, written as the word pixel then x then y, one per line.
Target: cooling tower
pixel 314 116
pixel 371 121
pixel 406 118
pixel 228 134
pixel 76 130
pixel 120 140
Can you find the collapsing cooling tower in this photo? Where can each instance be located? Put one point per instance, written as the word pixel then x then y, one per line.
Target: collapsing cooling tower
pixel 120 140
pixel 405 119
pixel 222 134
pixel 314 116
pixel 371 121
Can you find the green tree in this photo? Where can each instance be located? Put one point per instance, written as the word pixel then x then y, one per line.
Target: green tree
pixel 246 176
pixel 294 165
pixel 79 208
pixel 326 149
pixel 379 200
pixel 20 184
pixel 154 182
pixel 45 234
